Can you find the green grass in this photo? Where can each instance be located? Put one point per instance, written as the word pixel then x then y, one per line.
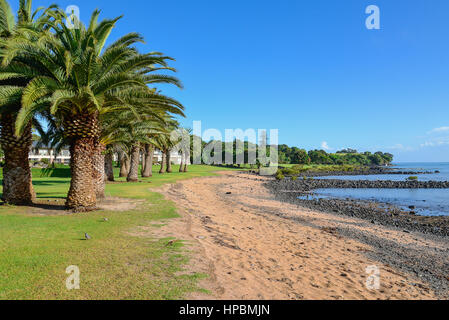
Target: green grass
pixel 118 263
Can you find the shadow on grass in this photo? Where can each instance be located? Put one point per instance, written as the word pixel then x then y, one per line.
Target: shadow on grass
pixel 45 183
pixel 43 206
pixel 49 182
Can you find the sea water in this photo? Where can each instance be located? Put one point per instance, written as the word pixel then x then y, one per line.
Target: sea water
pixel 430 202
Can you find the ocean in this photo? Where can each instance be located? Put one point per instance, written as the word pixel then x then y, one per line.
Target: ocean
pixel 428 202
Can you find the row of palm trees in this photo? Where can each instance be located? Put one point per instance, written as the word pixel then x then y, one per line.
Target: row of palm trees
pixel 95 99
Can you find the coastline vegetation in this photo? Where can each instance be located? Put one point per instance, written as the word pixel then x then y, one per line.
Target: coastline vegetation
pixel 295 155
pixel 299 169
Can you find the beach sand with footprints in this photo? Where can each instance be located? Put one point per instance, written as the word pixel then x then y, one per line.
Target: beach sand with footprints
pixel 252 246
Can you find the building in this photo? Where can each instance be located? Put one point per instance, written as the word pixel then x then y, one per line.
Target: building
pixel 175 157
pixel 38 154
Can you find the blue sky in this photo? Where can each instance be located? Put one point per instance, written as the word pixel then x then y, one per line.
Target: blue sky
pixel 308 68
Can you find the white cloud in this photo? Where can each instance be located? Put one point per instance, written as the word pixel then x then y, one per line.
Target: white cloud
pixel 400 147
pixel 325 146
pixel 436 142
pixel 438 130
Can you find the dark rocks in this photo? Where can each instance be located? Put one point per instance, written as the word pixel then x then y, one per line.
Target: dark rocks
pixel 308 185
pixel 367 171
pixel 382 214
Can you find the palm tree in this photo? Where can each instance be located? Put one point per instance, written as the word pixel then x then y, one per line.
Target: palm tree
pixel 129 131
pixel 141 133
pixel 166 142
pixel 17 185
pixel 52 137
pixel 78 84
pixel 184 147
pixel 125 163
pixel 148 151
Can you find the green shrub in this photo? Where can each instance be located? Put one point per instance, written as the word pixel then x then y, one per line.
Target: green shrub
pixel 279 175
pixel 412 178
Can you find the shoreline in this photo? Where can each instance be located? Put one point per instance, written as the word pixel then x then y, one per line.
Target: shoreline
pixel 372 171
pixel 254 246
pixel 374 211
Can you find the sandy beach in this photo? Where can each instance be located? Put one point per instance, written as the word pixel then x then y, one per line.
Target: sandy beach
pixel 253 246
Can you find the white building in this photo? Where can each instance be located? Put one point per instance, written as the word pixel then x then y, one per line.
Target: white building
pixel 175 157
pixel 44 152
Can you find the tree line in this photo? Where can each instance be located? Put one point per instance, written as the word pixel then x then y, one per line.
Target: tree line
pixel 294 155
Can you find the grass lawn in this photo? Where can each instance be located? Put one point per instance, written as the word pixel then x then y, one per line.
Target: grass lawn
pixel 118 263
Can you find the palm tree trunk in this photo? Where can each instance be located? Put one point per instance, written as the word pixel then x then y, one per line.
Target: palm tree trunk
pixel 168 162
pixel 128 163
pixel 133 175
pixel 187 160
pixel 162 170
pixel 149 153
pixel 98 173
pixel 182 162
pixel 108 166
pixel 123 168
pixel 143 162
pixel 82 195
pixel 17 186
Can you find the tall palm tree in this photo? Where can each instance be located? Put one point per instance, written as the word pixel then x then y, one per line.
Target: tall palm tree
pixel 17 186
pixel 123 157
pixel 183 147
pixel 147 165
pixel 79 82
pixel 149 113
pixel 166 142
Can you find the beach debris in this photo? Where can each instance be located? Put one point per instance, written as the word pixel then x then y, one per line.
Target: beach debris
pixel 229 192
pixel 87 236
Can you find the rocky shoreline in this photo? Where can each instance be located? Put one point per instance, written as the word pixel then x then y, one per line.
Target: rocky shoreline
pixel 368 171
pixel 302 185
pixel 377 213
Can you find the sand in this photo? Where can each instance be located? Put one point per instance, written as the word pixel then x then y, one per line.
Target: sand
pixel 255 247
